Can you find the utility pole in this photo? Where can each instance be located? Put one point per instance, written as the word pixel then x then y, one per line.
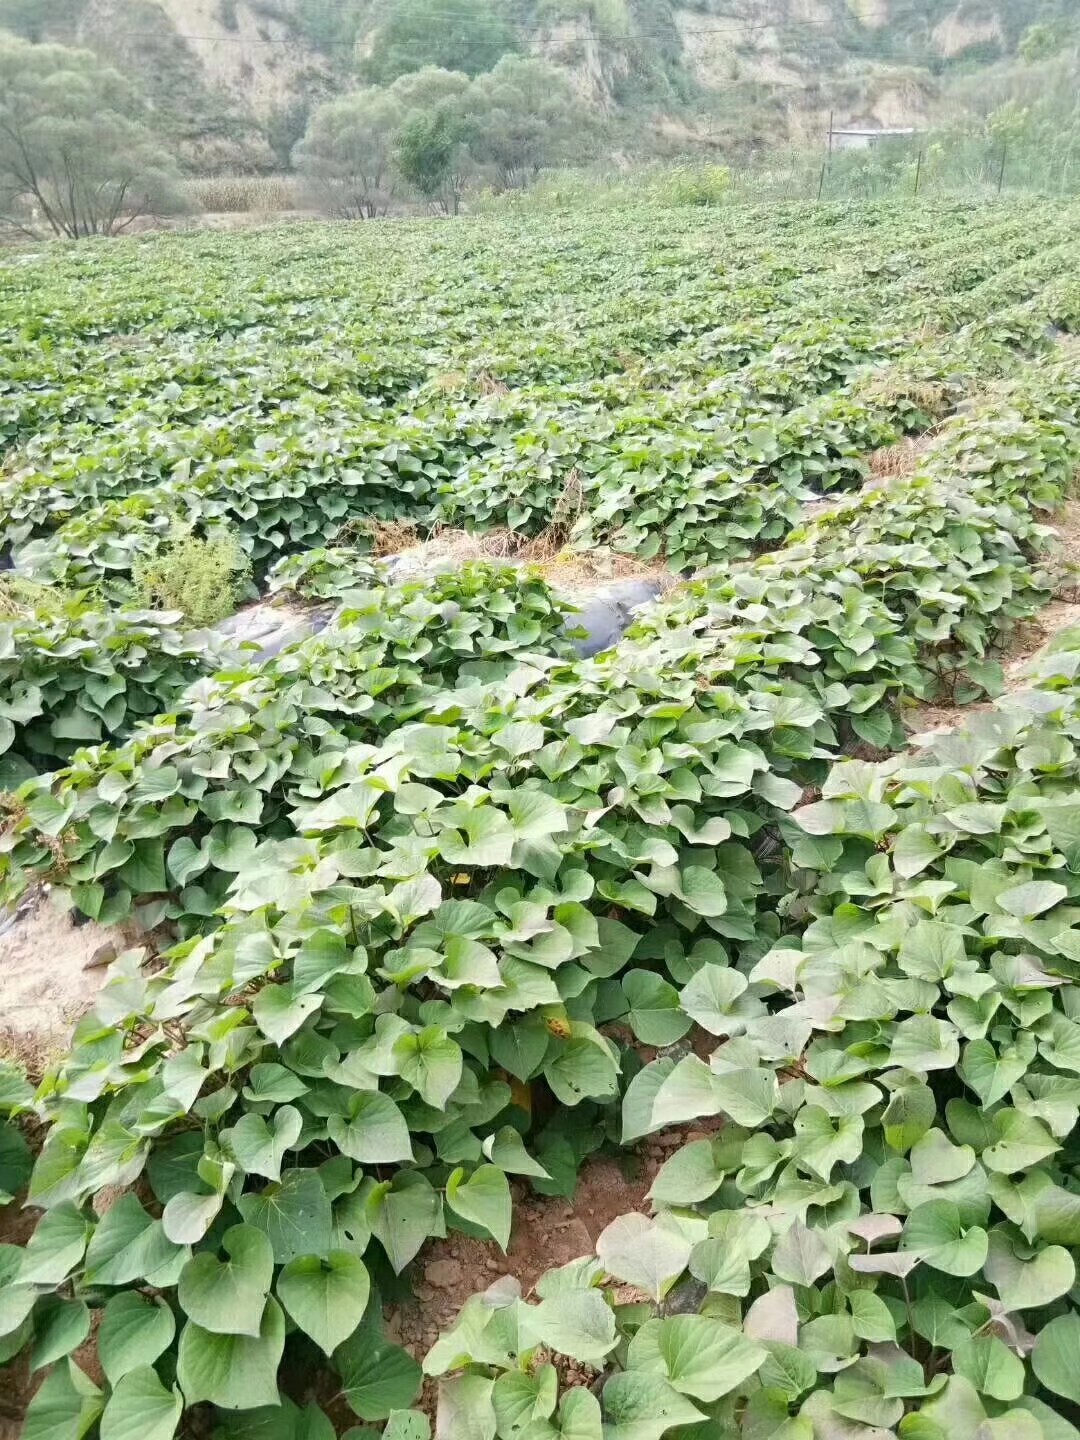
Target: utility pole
pixel 918 171
pixel 1001 172
pixel 828 156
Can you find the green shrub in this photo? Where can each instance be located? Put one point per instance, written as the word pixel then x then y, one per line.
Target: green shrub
pixel 204 579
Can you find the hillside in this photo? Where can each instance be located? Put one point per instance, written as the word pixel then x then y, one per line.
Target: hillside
pixel 231 81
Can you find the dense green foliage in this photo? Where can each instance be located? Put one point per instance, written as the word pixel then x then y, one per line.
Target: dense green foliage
pixel 432 130
pixel 883 1232
pixel 75 160
pixel 467 35
pixel 430 871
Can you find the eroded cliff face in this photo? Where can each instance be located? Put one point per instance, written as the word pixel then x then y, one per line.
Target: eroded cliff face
pixel 222 71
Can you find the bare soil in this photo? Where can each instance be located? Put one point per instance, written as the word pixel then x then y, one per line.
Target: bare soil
pixel 47 980
pixel 547 1233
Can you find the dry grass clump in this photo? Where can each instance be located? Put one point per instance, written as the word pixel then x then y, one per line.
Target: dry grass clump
pixel 933 397
pixel 243 194
pixel 483 383
pixel 390 537
pixel 897 462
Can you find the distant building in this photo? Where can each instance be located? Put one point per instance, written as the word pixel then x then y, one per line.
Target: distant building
pixel 862 137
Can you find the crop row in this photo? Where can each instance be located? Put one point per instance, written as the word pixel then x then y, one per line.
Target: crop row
pixel 444 880
pixel 679 477
pixel 881 1239
pixel 138 416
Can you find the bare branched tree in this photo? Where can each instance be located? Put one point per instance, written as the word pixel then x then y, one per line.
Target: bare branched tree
pixel 74 159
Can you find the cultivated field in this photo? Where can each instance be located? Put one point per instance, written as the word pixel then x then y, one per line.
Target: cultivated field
pixel 438 917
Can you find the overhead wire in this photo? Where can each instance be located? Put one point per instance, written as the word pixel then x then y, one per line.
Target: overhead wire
pixel 878 14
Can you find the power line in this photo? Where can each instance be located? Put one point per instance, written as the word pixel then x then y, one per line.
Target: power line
pixel 878 14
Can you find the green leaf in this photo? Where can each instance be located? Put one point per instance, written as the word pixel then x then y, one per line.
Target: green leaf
pixel 506 1149
pixel 144 872
pixel 871 1317
pixel 466 1408
pixel 639 1406
pixel 431 1063
pixel 373 1132
pixel 327 1298
pixel 691 1175
pixel 134 1331
pixel 579 1417
pixel 647 1254
pixel 376 1377
pixel 655 1016
pixel 237 1372
pixel 935 1160
pixel 990 1366
pixel 186 861
pixel 581 1068
pixel 280 1010
pixel 259 1148
pixel 933 1232
pixel 1023 1141
pixel 700 1357
pixel 275 1083
pixel 913 850
pixel 579 1323
pixel 16 1303
pixel 536 814
pixel 402 1214
pixel 992 1075
pixel 702 891
pixel 1028 1284
pixel 227 1297
pixel 801 1255
pixel 483 1200
pixel 922 1042
pixel 519 1045
pixel 747 1096
pixel 1054 1358
pixel 908 1116
pixel 736 1237
pixel 189 1214
pixel 483 836
pixel 56 1246
pixel 141 1408
pixel 641 1093
pixel 407 1425
pixel 822 1143
pixel 60 1326
pixel 520 1399
pixel 295 1216
pixel 128 1245
pixel 66 1406
pixel 709 996
pixel 787 1370
pixel 1031 899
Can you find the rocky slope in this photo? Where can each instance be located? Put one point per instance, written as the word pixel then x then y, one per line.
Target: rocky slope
pixel 231 79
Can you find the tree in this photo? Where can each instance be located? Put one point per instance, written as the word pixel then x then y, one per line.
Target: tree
pixel 1040 42
pixel 73 157
pixel 35 19
pixel 285 128
pixel 348 152
pixel 329 24
pixel 525 117
pixel 468 36
pixel 432 146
